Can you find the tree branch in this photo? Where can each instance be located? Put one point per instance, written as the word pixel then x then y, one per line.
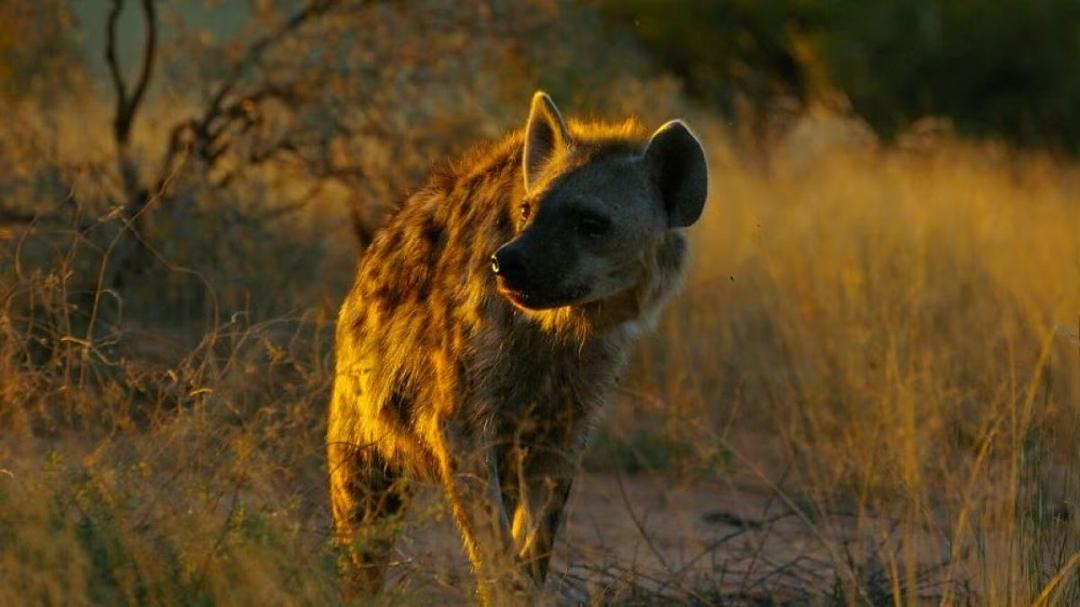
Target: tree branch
pixel 114 64
pixel 129 244
pixel 14 217
pixel 127 103
pixel 204 135
pixel 208 132
pixel 259 47
pixel 150 20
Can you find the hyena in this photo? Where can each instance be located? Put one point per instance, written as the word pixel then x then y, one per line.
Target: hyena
pixel 489 320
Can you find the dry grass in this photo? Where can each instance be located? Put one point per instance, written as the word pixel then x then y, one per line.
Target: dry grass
pixel 901 324
pixel 883 341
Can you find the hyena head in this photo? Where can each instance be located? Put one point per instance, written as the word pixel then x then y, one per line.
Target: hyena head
pixel 591 225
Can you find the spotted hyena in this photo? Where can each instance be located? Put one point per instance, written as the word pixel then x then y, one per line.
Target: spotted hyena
pixel 490 319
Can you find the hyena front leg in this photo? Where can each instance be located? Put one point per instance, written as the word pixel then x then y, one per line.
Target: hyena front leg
pixel 542 483
pixel 469 475
pixel 367 496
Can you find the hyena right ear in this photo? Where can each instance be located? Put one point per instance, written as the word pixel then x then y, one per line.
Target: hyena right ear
pixel 546 137
pixel 677 165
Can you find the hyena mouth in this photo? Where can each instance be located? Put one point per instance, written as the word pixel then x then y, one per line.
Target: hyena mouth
pixel 542 301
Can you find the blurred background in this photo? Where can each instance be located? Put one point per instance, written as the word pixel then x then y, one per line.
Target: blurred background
pixel 867 394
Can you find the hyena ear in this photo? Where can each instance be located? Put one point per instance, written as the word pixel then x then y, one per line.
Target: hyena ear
pixel 677 166
pixel 546 136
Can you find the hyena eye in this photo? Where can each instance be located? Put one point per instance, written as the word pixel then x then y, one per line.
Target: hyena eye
pixel 594 225
pixel 525 210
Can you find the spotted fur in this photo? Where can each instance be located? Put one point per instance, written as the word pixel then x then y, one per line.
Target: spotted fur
pixel 442 375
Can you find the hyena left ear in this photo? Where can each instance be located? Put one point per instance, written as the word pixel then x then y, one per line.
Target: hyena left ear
pixel 677 166
pixel 546 136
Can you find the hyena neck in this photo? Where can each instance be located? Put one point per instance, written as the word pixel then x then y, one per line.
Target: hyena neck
pixel 552 368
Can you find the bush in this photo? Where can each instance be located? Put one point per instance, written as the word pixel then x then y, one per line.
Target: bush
pixel 995 67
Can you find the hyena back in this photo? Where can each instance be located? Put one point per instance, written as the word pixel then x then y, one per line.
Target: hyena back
pixel 489 320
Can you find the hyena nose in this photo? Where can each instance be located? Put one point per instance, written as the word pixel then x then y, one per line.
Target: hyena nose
pixel 508 263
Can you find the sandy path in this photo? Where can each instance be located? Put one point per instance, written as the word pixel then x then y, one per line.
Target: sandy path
pixel 626 537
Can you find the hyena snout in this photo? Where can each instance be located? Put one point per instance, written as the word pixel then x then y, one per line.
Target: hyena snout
pixel 510 266
pixel 532 281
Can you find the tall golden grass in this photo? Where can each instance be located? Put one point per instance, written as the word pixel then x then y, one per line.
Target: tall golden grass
pixel 901 323
pixel 884 337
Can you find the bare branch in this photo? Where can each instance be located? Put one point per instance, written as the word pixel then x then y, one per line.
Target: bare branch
pixel 259 47
pixel 13 217
pixel 127 102
pixel 180 143
pixel 209 131
pixel 129 243
pixel 205 135
pixel 114 65
pixel 150 19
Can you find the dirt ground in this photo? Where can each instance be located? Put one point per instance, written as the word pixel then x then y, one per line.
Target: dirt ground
pixel 639 540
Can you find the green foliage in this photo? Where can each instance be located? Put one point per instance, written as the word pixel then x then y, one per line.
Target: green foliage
pixel 721 48
pixel 995 67
pixel 1006 67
